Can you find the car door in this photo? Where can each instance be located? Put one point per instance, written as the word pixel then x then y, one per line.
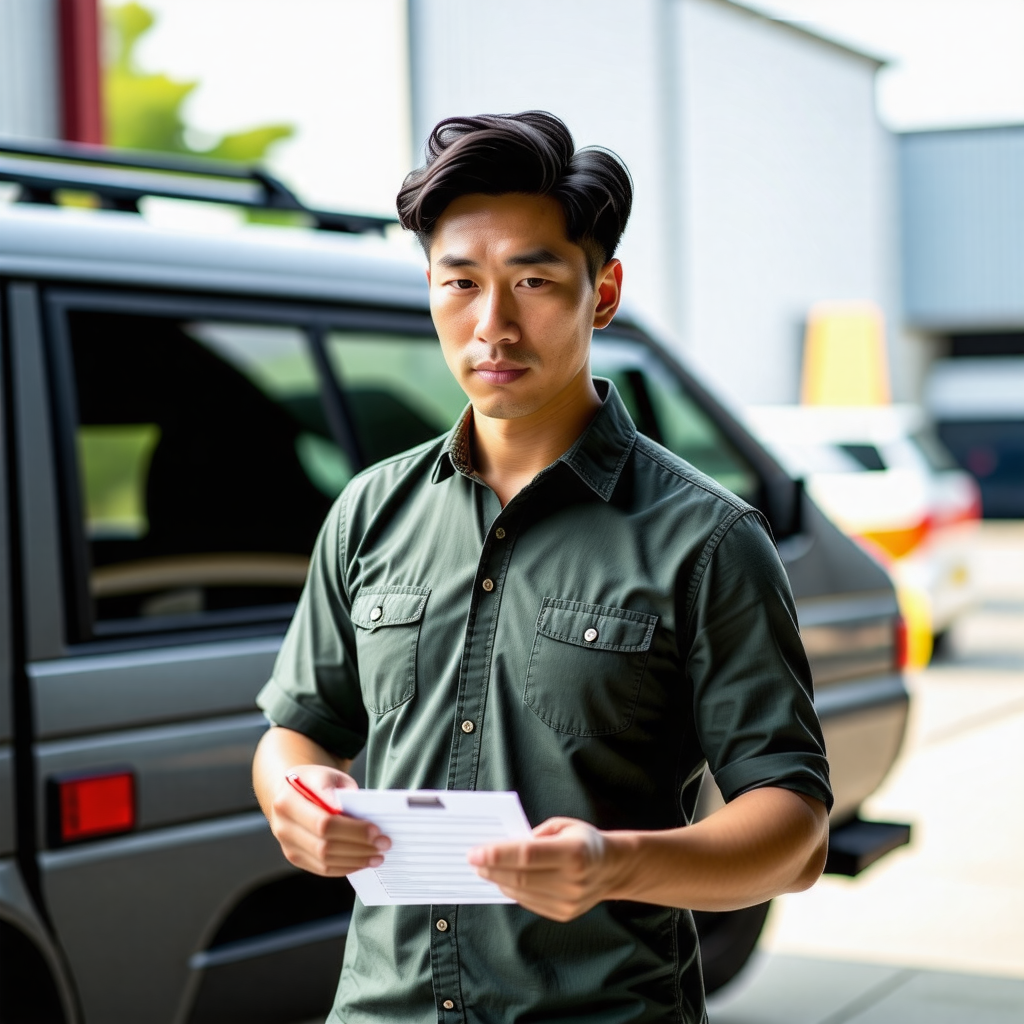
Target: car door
pixel 178 465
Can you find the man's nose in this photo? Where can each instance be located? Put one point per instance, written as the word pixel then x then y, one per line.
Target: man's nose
pixel 497 324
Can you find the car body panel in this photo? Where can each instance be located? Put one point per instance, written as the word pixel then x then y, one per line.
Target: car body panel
pixel 149 686
pixel 131 911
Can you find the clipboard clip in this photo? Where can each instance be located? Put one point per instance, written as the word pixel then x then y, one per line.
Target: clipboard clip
pixel 424 801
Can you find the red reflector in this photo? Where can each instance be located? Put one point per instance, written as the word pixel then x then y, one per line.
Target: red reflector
pixel 97 806
pixel 901 647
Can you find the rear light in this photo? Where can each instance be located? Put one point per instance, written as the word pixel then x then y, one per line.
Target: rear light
pixel 901 645
pixel 898 543
pixel 94 805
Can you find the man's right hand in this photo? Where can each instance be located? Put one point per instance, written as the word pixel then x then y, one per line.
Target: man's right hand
pixel 311 838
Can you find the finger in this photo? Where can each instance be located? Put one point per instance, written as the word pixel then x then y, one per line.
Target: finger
pixel 553 826
pixel 303 848
pixel 290 806
pixel 552 906
pixel 356 831
pixel 331 868
pixel 330 844
pixel 532 855
pixel 550 883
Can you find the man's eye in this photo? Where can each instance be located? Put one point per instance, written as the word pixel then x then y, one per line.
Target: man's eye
pixel 463 283
pixel 534 282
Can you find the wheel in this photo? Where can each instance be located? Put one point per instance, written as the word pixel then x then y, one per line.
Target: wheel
pixel 726 942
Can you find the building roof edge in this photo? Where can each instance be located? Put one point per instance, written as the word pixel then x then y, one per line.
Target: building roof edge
pixel 808 33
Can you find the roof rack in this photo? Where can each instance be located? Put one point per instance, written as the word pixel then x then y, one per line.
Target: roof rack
pixel 120 178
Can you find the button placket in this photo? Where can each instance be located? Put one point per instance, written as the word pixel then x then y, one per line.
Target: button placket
pixel 475 671
pixel 444 960
pixel 471 698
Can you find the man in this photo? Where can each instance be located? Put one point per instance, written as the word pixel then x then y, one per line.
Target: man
pixel 548 602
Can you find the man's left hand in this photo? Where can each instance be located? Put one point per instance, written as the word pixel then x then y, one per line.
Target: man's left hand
pixel 566 868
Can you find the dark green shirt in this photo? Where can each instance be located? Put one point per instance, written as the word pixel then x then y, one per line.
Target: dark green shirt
pixel 620 621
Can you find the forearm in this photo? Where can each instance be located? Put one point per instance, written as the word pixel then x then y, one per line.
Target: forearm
pixel 764 843
pixel 279 751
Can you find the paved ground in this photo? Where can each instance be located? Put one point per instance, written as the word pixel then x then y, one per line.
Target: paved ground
pixel 936 932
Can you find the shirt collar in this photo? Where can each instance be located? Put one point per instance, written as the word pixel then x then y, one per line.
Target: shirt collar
pixel 597 456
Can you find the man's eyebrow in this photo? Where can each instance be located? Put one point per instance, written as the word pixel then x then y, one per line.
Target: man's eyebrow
pixel 535 257
pixel 456 261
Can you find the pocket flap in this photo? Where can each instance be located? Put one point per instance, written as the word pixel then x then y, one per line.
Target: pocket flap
pixel 596 625
pixel 389 606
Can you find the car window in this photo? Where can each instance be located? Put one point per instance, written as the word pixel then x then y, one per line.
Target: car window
pixel 866 454
pixel 398 389
pixel 401 393
pixel 662 409
pixel 800 459
pixel 205 467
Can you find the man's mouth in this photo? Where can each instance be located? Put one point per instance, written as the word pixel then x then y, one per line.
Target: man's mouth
pixel 499 373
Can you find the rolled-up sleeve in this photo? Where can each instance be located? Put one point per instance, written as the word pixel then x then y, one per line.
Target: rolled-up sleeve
pixel 314 688
pixel 753 698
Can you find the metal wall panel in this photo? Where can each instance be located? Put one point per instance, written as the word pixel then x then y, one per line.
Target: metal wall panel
pixel 789 195
pixel 764 181
pixel 606 73
pixel 963 228
pixel 29 69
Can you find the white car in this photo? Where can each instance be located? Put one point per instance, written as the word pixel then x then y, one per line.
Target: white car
pixel 882 475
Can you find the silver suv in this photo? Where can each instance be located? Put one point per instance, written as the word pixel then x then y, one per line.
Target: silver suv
pixel 178 411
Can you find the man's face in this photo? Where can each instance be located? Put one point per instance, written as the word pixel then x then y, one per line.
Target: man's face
pixel 513 302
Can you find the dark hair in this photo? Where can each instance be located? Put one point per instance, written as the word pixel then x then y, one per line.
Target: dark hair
pixel 532 152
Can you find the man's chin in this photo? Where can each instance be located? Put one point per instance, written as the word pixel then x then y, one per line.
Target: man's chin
pixel 502 407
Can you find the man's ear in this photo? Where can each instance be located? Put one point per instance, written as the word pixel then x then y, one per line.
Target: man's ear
pixel 608 293
pixel 428 276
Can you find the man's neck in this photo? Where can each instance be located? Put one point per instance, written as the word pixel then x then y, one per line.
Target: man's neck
pixel 509 453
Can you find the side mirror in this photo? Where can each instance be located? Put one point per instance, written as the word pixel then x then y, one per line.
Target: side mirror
pixel 784 500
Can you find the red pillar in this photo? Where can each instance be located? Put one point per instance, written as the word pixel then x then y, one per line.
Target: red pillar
pixel 81 95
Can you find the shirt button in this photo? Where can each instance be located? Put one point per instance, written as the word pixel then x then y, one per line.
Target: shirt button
pixel 448 1004
pixel 500 533
pixel 488 585
pixel 376 613
pixel 442 925
pixel 468 726
pixel 591 635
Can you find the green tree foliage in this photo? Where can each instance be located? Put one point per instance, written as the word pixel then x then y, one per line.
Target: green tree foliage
pixel 144 110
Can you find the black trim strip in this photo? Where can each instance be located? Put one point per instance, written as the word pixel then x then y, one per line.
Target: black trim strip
pixel 23 720
pixel 273 942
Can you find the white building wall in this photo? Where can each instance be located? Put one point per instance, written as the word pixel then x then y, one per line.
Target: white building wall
pixel 597 64
pixel 764 182
pixel 29 69
pixel 789 198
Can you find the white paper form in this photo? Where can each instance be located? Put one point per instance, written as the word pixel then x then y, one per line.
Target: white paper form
pixel 431 832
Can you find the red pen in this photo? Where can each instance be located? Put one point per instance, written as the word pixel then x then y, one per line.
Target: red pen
pixel 300 787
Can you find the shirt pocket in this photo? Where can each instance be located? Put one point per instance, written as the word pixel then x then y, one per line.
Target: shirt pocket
pixel 387 621
pixel 586 666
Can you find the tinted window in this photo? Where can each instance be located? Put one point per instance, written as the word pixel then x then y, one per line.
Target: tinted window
pixel 399 390
pixel 663 410
pixel 866 454
pixel 205 467
pixel 401 393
